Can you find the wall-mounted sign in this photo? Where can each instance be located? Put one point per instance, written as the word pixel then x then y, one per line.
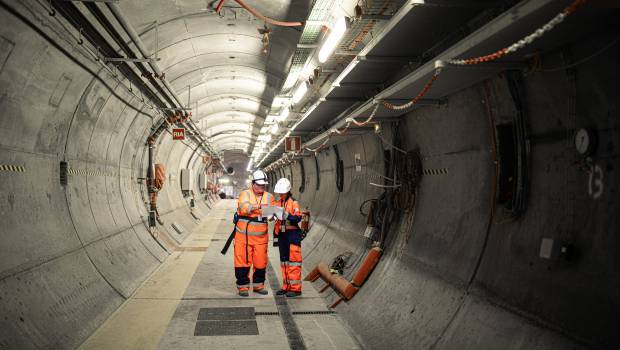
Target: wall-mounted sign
pixel 178 134
pixel 292 144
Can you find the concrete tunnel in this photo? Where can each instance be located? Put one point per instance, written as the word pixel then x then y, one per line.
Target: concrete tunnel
pixel 473 145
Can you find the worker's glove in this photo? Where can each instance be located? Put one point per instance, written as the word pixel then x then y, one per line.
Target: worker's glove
pixel 275 241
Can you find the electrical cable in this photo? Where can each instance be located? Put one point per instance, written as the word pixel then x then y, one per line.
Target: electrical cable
pixel 390 145
pixel 585 59
pixel 261 16
pixel 440 64
pixel 49 39
pixel 384 186
pixel 364 203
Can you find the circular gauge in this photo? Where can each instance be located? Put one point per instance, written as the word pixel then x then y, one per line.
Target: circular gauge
pixel 585 141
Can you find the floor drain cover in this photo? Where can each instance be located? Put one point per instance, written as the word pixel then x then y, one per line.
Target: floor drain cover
pixel 213 328
pixel 226 313
pixel 226 321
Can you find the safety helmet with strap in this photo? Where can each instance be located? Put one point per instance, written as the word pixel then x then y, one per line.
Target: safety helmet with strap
pixel 282 186
pixel 259 177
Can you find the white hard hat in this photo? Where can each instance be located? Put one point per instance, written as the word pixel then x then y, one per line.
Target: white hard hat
pixel 282 186
pixel 259 177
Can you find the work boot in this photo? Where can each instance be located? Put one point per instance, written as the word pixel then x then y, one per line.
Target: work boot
pixel 262 291
pixel 244 293
pixel 293 294
pixel 282 292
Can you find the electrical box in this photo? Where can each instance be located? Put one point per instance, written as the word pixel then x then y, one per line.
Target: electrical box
pixel 202 181
pixel 186 179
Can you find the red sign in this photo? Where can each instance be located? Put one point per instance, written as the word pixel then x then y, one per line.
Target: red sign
pixel 292 144
pixel 178 134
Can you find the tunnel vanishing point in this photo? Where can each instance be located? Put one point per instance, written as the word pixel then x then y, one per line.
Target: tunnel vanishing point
pixel 458 161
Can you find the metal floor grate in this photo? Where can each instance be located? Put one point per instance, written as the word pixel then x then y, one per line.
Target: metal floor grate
pixel 226 321
pixel 215 328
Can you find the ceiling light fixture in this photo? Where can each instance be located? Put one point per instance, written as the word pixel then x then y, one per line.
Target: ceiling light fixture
pixel 284 114
pixel 333 39
pixel 300 92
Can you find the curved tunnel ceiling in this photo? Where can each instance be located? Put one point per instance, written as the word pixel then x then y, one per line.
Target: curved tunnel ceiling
pixel 217 59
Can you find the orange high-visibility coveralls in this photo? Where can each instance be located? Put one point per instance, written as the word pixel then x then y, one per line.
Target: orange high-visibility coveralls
pixel 251 240
pixel 289 236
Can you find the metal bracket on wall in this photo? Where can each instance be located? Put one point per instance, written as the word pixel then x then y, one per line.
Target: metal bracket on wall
pixel 127 59
pixel 339 170
pixel 177 227
pixel 64 169
pixel 175 109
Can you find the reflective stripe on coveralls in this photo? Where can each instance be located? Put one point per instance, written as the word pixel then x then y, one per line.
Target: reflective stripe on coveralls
pixel 290 246
pixel 251 240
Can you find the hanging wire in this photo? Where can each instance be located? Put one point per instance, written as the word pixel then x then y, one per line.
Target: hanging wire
pixel 439 64
pixel 384 186
pixel 389 144
pixel 585 59
pixel 260 15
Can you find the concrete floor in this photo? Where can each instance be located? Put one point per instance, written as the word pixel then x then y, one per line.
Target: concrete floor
pixel 162 313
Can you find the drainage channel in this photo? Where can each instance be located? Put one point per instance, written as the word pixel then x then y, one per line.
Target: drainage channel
pixel 293 335
pixel 277 313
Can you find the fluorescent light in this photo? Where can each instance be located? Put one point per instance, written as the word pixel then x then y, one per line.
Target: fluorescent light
pixel 250 164
pixel 298 95
pixel 223 180
pixel 274 129
pixel 333 39
pixel 284 114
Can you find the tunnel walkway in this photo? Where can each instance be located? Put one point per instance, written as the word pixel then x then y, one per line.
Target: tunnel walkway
pixel 163 313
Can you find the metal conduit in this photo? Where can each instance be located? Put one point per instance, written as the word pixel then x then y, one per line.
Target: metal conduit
pixel 80 23
pixel 94 9
pixel 116 11
pixel 135 38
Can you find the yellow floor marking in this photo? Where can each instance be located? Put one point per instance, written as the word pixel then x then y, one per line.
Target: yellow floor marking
pixel 138 324
pixel 143 318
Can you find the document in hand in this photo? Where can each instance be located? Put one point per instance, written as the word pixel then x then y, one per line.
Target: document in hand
pixel 271 210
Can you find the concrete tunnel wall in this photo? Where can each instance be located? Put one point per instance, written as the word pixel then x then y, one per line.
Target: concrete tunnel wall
pixel 70 255
pixel 455 272
pixel 454 275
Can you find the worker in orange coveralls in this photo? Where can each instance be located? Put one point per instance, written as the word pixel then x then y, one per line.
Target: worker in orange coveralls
pixel 251 237
pixel 288 236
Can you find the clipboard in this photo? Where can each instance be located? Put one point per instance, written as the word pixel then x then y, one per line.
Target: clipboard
pixel 269 211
